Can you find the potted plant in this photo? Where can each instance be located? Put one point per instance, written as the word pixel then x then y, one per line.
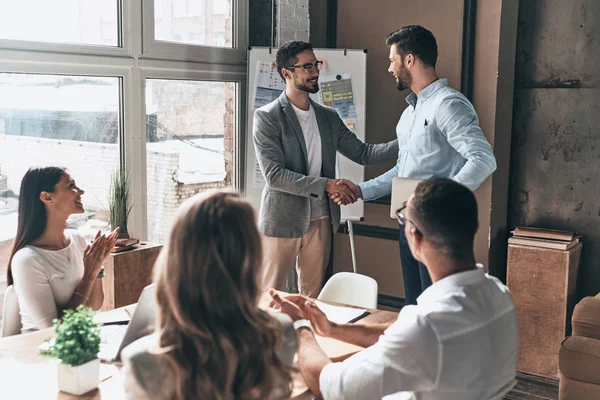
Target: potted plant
pixel 76 345
pixel 119 205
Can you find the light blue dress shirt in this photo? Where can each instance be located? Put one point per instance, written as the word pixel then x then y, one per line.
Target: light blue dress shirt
pixel 438 136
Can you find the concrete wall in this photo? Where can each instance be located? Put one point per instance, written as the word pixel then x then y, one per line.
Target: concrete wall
pixel 554 166
pixel 292 21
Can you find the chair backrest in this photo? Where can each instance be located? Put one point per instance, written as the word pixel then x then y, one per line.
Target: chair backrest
pixel 11 323
pixel 352 289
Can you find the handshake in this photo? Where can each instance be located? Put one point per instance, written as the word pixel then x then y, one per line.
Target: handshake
pixel 342 191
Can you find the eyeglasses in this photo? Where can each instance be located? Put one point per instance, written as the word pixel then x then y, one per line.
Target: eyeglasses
pixel 402 220
pixel 308 67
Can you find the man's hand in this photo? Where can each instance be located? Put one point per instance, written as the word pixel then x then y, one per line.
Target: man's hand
pixel 342 192
pixel 311 311
pixel 285 306
pixel 318 319
pixel 356 192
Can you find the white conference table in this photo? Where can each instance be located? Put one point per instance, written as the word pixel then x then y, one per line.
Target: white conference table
pixel 27 374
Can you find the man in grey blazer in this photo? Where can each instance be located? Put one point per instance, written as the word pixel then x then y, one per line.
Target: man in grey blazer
pixel 296 142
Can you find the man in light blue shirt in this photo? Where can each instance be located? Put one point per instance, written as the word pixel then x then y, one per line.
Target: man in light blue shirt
pixel 438 135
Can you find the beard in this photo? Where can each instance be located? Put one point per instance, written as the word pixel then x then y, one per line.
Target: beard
pixel 403 80
pixel 305 88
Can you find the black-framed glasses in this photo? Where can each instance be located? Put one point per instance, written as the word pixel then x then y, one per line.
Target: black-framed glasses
pixel 402 220
pixel 308 67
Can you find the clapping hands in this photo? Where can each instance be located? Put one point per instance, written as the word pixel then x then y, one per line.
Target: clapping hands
pixel 95 253
pixel 343 191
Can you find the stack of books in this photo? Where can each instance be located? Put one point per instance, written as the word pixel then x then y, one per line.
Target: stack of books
pixel 547 238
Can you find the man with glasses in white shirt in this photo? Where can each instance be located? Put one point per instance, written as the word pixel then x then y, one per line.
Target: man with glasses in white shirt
pixel 296 142
pixel 459 342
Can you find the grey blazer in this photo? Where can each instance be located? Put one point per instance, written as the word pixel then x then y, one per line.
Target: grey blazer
pixel 148 377
pixel 282 156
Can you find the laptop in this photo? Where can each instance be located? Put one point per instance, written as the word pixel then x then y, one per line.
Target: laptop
pixel 114 337
pixel 402 188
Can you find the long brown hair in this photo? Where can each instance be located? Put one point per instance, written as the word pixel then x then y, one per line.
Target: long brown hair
pixel 32 212
pixel 219 344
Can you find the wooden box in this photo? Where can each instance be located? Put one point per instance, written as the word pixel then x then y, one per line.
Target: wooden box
pixel 127 273
pixel 542 282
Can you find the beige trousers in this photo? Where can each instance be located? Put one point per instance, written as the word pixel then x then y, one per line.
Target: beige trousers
pixel 312 253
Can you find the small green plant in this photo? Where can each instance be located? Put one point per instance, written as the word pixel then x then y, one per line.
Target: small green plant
pixel 77 337
pixel 119 205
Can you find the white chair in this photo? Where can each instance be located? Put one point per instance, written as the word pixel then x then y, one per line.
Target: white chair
pixel 11 324
pixel 352 289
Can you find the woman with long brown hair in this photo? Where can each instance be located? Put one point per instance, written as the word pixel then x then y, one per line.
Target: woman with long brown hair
pixel 211 340
pixel 52 268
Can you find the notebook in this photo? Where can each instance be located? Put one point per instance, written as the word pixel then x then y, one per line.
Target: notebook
pixel 340 314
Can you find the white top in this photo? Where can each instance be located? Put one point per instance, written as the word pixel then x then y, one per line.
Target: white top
pixel 148 376
pixel 319 208
pixel 459 342
pixel 45 280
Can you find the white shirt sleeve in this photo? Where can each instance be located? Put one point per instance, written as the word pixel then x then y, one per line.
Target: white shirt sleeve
pixel 32 286
pixel 406 358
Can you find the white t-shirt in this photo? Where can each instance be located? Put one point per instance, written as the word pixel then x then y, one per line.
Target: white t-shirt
pixel 45 280
pixel 319 208
pixel 459 342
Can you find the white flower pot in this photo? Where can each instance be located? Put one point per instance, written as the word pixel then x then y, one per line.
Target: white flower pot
pixel 80 379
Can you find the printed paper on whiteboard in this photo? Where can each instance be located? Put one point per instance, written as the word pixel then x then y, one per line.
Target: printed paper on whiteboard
pixel 258 179
pixel 269 84
pixel 338 94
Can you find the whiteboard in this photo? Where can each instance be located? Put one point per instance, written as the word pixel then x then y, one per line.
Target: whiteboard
pixel 339 62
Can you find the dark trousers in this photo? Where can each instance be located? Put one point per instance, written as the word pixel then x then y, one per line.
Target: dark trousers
pixel 415 275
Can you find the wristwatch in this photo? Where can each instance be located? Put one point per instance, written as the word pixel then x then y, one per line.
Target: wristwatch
pixel 303 323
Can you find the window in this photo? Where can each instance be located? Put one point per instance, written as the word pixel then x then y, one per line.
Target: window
pixel 194 22
pixel 189 144
pixel 59 120
pixel 84 22
pixel 73 78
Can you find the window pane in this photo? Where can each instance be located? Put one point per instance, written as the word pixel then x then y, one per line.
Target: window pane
pixel 195 22
pixel 88 22
pixel 66 121
pixel 190 148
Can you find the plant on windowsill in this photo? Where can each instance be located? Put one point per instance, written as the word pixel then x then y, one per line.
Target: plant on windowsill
pixel 76 345
pixel 119 202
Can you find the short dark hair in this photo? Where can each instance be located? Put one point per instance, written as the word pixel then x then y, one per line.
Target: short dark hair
pixel 446 211
pixel 416 40
pixel 287 55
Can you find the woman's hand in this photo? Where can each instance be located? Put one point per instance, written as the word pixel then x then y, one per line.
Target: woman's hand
pixel 95 253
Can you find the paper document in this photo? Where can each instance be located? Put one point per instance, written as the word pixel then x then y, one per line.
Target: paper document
pixel 336 92
pixel 269 84
pixel 340 314
pixel 258 179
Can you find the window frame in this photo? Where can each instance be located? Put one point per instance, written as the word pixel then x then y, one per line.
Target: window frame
pixel 123 48
pixel 212 74
pixel 235 55
pixel 133 66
